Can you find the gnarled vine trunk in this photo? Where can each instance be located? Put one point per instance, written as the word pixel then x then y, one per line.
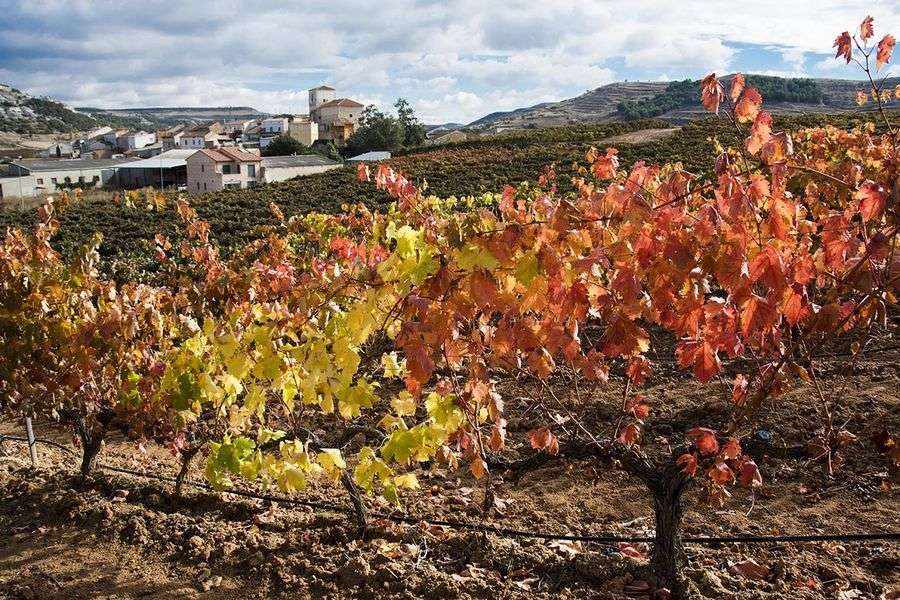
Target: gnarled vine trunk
pixel 186 457
pixel 359 507
pixel 666 483
pixel 667 558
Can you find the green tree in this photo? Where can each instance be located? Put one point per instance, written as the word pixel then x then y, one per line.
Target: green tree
pixel 285 145
pixel 377 131
pixel 413 129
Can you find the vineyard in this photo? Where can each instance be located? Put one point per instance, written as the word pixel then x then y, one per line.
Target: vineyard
pixel 535 366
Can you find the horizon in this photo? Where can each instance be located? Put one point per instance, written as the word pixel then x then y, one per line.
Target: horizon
pixel 142 56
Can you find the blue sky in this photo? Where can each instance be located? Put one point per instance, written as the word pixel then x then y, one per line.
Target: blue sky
pixel 454 60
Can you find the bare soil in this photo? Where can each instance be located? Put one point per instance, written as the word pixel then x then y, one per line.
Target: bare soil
pixel 117 536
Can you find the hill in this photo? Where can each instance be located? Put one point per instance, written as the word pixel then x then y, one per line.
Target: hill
pixel 23 114
pixel 163 117
pixel 678 102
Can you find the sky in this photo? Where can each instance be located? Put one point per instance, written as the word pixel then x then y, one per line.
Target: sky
pixel 454 60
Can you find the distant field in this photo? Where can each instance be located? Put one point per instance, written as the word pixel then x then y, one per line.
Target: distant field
pixel 467 168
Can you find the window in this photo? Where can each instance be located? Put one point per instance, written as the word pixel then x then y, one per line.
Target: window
pixel 226 169
pixel 202 169
pixel 204 186
pixel 198 186
pixel 251 170
pixel 81 179
pixel 68 180
pixel 40 181
pixel 53 180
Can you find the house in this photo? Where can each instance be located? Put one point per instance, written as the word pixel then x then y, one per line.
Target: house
pixel 59 150
pixel 112 137
pixel 235 129
pixel 210 169
pixel 279 168
pixel 146 151
pixel 303 130
pixel 171 138
pixel 271 128
pixel 168 169
pixel 203 136
pixel 371 157
pixel 134 140
pixel 28 178
pixel 337 118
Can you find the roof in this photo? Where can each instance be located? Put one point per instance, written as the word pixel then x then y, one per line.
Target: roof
pixel 323 87
pixel 71 165
pixel 230 155
pixel 298 160
pixel 376 155
pixel 343 102
pixel 166 160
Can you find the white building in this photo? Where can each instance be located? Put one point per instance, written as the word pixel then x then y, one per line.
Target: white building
pixel 134 140
pixel 28 178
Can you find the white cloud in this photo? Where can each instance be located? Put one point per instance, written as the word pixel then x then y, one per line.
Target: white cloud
pixel 453 59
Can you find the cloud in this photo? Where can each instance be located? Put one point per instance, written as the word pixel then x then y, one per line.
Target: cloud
pixel 453 59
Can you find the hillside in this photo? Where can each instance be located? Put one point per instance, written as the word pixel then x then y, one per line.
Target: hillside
pixel 163 117
pixel 27 115
pixel 678 102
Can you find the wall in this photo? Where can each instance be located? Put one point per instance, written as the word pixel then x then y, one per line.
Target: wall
pixel 272 174
pixel 202 175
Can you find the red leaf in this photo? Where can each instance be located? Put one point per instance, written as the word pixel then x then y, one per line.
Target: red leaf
pixel 721 474
pixel 630 434
pixel 750 475
pixel 844 46
pixel 885 49
pixel 757 314
pixel 732 448
pixel 704 439
pixel 739 389
pixel 711 93
pixel 688 464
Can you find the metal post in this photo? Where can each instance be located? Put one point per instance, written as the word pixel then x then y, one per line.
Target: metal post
pixel 32 447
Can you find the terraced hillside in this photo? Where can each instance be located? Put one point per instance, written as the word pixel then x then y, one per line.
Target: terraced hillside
pixel 604 103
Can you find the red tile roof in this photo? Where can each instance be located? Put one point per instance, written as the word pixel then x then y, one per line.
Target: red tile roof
pixel 229 154
pixel 344 102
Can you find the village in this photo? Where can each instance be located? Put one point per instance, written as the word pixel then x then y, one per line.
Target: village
pixel 208 157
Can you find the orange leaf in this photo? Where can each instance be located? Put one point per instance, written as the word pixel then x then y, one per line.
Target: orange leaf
pixel 865 29
pixel 749 105
pixel 630 434
pixel 885 49
pixel 737 86
pixel 872 200
pixel 478 467
pixel 543 439
pixel 760 132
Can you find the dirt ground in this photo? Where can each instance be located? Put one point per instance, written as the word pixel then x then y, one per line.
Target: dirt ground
pixel 640 137
pixel 117 536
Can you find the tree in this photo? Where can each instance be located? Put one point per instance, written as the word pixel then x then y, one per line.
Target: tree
pixel 376 131
pixel 413 130
pixel 285 145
